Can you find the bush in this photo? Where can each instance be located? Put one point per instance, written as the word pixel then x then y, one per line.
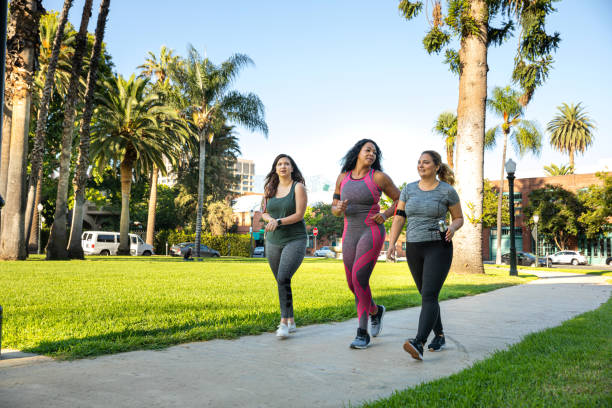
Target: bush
pixel 227 245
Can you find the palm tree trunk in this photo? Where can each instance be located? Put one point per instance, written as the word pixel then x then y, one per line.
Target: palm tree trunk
pixel 469 157
pixel 58 238
pixel 43 113
pixel 571 158
pixel 33 233
pixel 500 199
pixel 152 207
pixel 75 249
pixel 7 114
pixel 202 167
pixel 126 186
pixel 22 42
pixel 449 157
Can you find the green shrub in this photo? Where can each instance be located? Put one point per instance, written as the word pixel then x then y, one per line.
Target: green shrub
pixel 227 245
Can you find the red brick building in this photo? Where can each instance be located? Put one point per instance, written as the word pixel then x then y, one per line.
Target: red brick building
pixel 595 250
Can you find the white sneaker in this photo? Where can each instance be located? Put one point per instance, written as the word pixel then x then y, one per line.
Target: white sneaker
pixel 292 327
pixel 283 331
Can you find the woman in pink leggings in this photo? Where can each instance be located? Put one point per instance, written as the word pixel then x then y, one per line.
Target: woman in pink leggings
pixel 358 190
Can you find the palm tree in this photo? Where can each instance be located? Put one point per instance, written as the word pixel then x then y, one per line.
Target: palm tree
pixel 571 130
pixel 136 131
pixel 58 29
pixel 58 239
pixel 21 44
pixel 554 170
pixel 524 134
pixel 75 248
pixel 159 69
pixel 207 99
pixel 446 126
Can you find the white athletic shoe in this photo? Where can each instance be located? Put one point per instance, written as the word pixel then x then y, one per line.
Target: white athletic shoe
pixel 292 327
pixel 283 331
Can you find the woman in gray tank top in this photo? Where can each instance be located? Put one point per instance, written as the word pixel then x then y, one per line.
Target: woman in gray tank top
pixel 283 209
pixel 429 249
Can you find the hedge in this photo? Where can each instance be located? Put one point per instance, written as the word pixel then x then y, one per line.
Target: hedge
pixel 227 245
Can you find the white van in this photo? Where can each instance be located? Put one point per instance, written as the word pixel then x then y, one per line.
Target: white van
pixel 107 243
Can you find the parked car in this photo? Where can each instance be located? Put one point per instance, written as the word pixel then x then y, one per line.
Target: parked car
pixel 107 243
pixel 205 251
pixel 609 261
pixel 259 252
pixel 524 259
pixel 568 257
pixel 325 251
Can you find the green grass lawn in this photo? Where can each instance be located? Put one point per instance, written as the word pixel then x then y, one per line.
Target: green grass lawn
pixel 75 309
pixel 566 366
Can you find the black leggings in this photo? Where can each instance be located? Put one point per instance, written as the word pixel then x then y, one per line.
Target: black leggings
pixel 429 263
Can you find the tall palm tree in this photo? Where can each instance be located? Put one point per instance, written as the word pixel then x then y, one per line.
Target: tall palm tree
pixel 58 238
pixel 446 126
pixel 571 130
pixel 505 102
pixel 136 131
pixel 207 99
pixel 75 248
pixel 158 68
pixel 554 170
pixel 58 27
pixel 22 42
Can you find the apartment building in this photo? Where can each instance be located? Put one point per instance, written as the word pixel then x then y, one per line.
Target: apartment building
pixel 245 169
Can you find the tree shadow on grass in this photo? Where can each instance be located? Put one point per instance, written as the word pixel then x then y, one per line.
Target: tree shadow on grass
pixel 230 327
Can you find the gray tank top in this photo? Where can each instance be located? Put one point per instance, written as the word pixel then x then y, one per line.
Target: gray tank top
pixel 280 208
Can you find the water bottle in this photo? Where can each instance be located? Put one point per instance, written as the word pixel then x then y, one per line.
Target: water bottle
pixel 442 230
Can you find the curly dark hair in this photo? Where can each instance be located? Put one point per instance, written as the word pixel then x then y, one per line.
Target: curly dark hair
pixel 271 183
pixel 349 161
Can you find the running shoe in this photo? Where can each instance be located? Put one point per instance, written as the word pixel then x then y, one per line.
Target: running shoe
pixel 376 321
pixel 283 331
pixel 437 343
pixel 362 340
pixel 414 348
pixel 292 327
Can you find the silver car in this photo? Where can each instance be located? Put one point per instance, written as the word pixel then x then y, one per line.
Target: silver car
pixel 568 257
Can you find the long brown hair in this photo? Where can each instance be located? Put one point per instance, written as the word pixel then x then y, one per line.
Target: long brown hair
pixel 272 180
pixel 445 173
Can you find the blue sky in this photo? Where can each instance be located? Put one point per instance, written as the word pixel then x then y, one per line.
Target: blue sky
pixel 333 72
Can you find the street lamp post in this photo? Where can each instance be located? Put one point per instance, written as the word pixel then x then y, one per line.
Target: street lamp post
pixel 40 208
pixel 510 169
pixel 536 218
pixel 251 232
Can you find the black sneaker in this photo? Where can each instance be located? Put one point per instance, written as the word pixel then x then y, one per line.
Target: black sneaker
pixel 437 343
pixel 414 348
pixel 376 321
pixel 362 340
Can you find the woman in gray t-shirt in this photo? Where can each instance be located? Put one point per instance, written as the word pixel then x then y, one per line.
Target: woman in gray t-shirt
pixel 429 249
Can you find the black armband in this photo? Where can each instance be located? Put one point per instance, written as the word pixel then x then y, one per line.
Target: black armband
pixel 401 213
pixel 337 196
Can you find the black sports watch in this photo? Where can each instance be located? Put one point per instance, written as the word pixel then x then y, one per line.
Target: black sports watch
pixel 279 221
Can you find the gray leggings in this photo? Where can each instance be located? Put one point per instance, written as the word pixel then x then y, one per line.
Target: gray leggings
pixel 284 260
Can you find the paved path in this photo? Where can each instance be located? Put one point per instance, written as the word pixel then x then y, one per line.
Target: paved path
pixel 314 368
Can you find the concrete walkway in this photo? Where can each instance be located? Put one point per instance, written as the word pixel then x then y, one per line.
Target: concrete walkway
pixel 314 368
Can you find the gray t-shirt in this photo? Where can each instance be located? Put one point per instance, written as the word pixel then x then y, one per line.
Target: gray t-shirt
pixel 425 208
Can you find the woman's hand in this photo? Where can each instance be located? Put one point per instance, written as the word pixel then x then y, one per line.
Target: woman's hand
pixel 391 252
pixel 379 218
pixel 450 231
pixel 341 206
pixel 271 225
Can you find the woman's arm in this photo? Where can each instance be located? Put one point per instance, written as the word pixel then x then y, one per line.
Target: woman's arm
pixel 396 228
pixel 388 187
pixel 457 220
pixel 338 206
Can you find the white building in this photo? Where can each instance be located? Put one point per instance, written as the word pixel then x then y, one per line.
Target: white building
pixel 245 169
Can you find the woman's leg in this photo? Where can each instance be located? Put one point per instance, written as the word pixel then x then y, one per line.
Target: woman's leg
pixel 366 255
pixel 273 254
pixel 437 263
pixel 291 258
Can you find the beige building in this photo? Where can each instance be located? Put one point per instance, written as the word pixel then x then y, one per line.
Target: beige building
pixel 245 169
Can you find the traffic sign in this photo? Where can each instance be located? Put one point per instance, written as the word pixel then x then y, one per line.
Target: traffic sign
pixel 315 231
